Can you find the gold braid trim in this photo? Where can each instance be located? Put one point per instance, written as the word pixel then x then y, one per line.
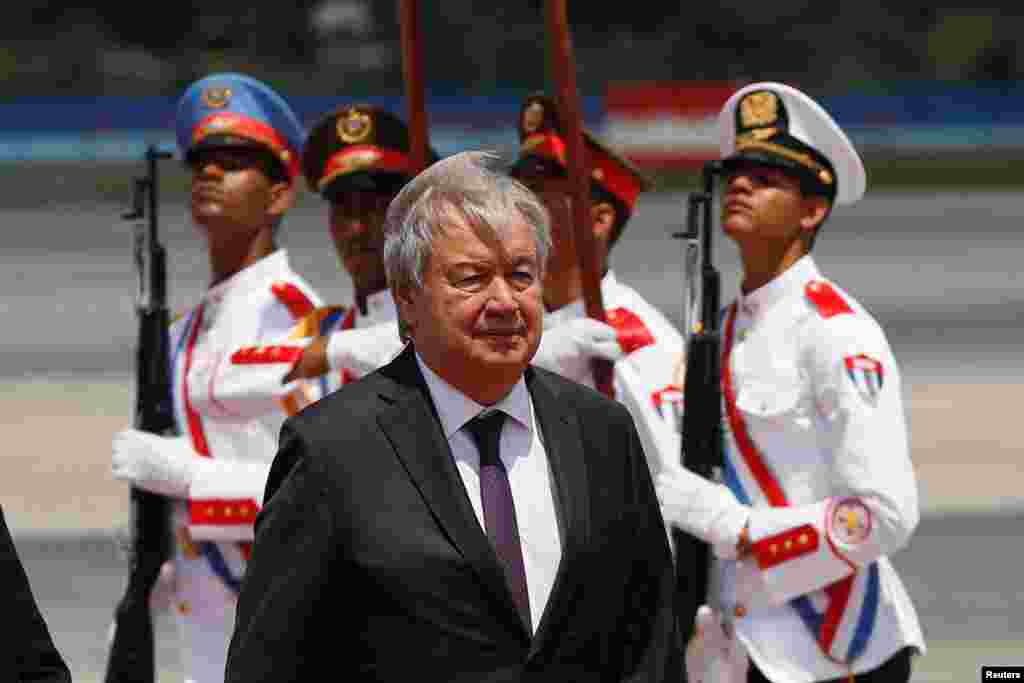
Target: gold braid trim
pixel 823 173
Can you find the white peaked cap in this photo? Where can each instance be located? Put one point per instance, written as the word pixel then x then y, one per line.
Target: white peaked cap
pixel 808 123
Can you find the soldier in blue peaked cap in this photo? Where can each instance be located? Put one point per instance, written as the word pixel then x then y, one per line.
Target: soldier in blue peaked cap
pixel 242 143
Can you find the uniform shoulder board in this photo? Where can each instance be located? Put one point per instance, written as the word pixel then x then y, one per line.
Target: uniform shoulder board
pixel 632 331
pixel 828 302
pixel 309 325
pixel 294 299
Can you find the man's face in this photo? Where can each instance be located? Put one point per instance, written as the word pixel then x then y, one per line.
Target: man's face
pixel 231 190
pixel 762 203
pixel 357 228
pixel 477 320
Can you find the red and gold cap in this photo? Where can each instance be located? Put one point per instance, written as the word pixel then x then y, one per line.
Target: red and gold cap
pixel 358 147
pixel 542 141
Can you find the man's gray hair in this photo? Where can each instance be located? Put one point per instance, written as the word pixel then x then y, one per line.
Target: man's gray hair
pixel 471 187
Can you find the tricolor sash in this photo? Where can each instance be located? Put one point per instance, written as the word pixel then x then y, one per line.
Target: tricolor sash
pixel 846 618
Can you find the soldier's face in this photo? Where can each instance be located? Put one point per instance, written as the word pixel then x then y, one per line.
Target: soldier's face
pixel 555 193
pixel 357 229
pixel 232 193
pixel 762 204
pixel 477 319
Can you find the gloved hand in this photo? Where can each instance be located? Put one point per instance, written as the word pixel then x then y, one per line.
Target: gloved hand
pixel 702 508
pixel 159 464
pixel 365 349
pixel 568 348
pixel 714 655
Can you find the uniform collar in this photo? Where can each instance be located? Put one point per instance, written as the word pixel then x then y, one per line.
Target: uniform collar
pixel 269 268
pixel 456 409
pixel 791 282
pixel 577 309
pixel 380 308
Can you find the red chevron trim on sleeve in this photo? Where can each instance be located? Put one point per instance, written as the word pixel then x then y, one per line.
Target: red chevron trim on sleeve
pixel 826 299
pixel 632 332
pixel 266 355
pixel 223 512
pixel 785 546
pixel 293 298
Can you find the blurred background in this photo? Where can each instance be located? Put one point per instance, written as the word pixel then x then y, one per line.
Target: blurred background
pixel 931 97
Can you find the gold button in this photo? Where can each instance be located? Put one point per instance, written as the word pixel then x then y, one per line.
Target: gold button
pixel 788 544
pixel 803 539
pixel 740 611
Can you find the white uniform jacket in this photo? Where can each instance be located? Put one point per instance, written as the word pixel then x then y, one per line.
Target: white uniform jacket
pixel 226 413
pixel 648 380
pixel 816 443
pixel 270 362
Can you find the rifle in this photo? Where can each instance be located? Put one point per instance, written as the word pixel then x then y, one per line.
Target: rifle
pixel 563 68
pixel 702 442
pixel 415 88
pixel 132 647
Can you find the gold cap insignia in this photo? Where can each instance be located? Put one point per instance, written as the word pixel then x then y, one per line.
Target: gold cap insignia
pixel 217 97
pixel 533 117
pixel 355 127
pixel 759 109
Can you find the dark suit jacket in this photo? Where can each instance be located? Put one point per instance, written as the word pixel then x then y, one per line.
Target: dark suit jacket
pixel 28 653
pixel 370 565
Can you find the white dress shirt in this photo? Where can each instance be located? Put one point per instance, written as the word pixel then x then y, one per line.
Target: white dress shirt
pixel 529 473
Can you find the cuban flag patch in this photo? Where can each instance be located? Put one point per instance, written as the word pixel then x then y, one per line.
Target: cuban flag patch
pixel 867 375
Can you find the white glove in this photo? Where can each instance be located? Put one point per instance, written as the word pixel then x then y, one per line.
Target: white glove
pixel 363 350
pixel 568 348
pixel 159 464
pixel 702 508
pixel 714 655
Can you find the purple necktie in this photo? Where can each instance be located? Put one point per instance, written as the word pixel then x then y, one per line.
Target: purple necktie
pixel 499 510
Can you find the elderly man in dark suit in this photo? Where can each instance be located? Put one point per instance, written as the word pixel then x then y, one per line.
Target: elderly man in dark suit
pixel 459 515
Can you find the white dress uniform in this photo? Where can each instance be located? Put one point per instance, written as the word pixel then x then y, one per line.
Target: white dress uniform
pixel 816 443
pixel 648 379
pixel 227 411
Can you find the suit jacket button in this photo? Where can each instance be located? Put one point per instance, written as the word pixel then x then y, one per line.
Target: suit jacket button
pixel 740 611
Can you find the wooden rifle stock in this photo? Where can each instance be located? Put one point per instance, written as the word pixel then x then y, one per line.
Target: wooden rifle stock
pixel 412 72
pixel 702 442
pixel 563 67
pixel 131 658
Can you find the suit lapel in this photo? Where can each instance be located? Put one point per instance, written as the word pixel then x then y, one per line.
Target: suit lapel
pixel 410 422
pixel 560 428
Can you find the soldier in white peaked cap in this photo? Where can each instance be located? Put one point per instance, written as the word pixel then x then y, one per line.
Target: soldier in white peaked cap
pixel 818 486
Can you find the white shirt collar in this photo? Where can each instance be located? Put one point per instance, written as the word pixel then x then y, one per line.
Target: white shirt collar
pixel 456 409
pixel 756 304
pixel 255 276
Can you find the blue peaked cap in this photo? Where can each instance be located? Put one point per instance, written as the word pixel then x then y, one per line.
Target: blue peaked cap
pixel 234 109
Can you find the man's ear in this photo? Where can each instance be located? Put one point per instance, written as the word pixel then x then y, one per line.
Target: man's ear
pixel 282 198
pixel 602 216
pixel 816 208
pixel 405 301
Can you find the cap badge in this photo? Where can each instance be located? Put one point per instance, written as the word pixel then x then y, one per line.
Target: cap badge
pixel 533 117
pixel 217 97
pixel 759 109
pixel 355 127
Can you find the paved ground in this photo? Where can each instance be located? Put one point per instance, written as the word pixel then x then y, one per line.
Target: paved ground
pixel 939 270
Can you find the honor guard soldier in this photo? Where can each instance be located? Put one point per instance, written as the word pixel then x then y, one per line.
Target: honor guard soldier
pixel 819 489
pixel 646 348
pixel 357 159
pixel 242 143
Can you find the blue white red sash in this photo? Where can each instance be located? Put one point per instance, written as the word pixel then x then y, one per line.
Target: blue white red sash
pixel 210 551
pixel 840 617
